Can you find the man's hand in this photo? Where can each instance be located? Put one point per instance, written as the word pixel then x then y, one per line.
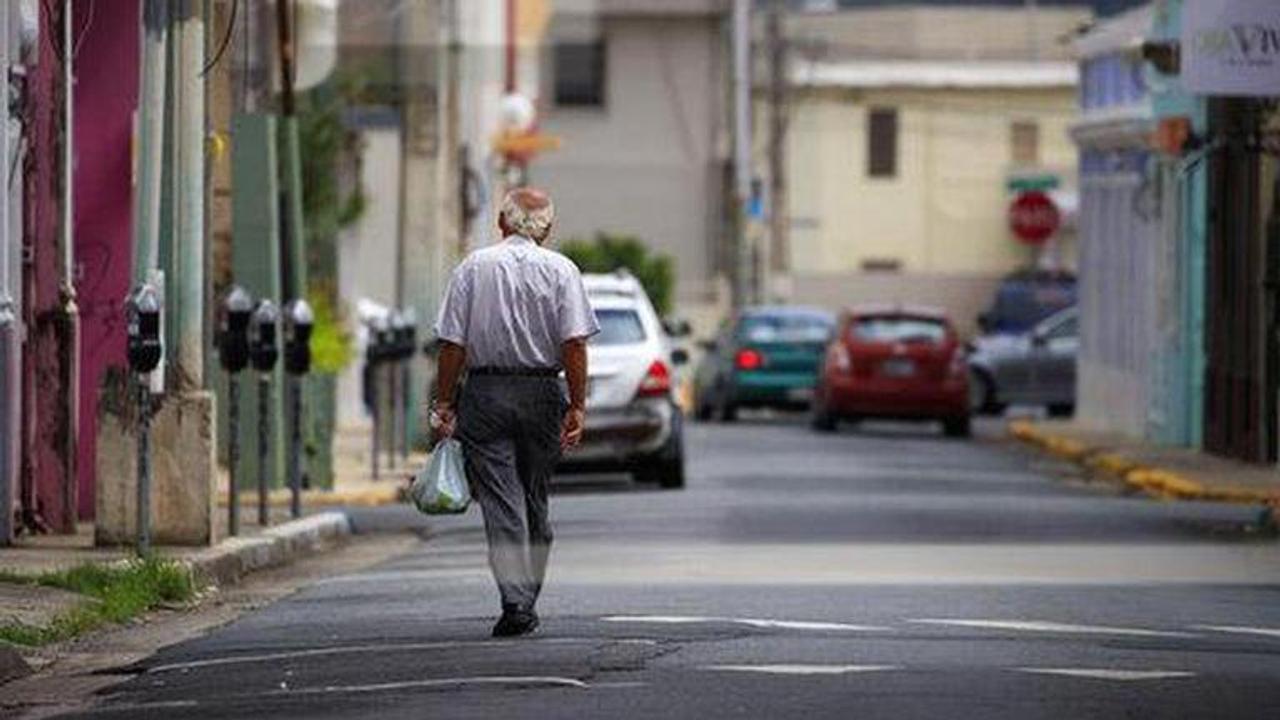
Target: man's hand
pixel 443 422
pixel 571 428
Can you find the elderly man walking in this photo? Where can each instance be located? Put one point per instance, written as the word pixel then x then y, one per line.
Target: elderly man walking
pixel 515 316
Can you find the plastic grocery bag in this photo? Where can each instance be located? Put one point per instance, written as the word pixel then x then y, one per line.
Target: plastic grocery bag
pixel 441 488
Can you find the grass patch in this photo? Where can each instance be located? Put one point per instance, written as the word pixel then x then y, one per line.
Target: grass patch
pixel 114 593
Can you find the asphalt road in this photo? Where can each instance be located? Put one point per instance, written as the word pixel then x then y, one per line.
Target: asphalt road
pixel 878 573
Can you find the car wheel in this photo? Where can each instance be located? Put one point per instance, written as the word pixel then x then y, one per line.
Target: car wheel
pixel 961 427
pixel 702 411
pixel 728 411
pixel 666 468
pixel 1062 410
pixel 821 418
pixel 982 394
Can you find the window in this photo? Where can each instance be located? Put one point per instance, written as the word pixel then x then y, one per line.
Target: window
pixel 618 327
pixel 888 329
pixel 1068 328
pixel 1024 143
pixel 882 142
pixel 579 70
pixel 785 328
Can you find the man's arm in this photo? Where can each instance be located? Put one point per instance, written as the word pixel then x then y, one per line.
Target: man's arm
pixel 573 355
pixel 448 369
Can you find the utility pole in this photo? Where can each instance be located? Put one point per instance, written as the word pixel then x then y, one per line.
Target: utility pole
pixel 742 255
pixel 778 112
pixel 69 345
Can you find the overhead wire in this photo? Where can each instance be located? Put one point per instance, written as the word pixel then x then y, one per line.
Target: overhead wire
pixel 225 42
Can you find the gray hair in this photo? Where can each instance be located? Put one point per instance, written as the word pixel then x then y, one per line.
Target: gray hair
pixel 528 212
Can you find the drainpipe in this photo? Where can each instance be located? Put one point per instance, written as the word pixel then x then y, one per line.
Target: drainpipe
pixel 189 245
pixel 10 341
pixel 146 239
pixel 70 330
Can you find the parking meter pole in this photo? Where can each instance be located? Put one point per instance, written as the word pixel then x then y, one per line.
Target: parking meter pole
pixel 144 350
pixel 143 543
pixel 233 455
pixel 234 315
pixel 295 446
pixel 264 409
pixel 405 385
pixel 373 405
pixel 393 427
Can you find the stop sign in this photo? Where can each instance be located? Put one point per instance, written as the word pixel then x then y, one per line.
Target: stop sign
pixel 1034 218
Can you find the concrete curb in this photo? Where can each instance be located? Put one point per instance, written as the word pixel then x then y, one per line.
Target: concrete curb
pixel 1155 481
pixel 234 558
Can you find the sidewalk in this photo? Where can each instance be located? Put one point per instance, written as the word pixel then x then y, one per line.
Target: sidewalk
pixel 255 548
pixel 353 480
pixel 1164 472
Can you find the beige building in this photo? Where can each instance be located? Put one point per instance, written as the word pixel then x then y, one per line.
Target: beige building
pixel 636 91
pixel 903 145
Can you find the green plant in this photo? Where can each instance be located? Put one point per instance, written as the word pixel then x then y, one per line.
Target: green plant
pixel 331 344
pixel 114 593
pixel 608 252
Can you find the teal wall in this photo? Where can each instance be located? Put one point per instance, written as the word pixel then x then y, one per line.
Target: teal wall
pixel 1178 394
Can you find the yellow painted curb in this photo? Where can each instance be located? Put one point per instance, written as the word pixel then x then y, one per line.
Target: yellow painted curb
pixel 1157 482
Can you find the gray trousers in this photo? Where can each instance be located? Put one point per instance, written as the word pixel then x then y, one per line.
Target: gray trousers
pixel 510 432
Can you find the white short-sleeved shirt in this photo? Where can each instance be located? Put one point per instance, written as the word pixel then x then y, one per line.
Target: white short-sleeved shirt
pixel 513 304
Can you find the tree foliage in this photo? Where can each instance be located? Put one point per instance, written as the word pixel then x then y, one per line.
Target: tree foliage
pixel 608 252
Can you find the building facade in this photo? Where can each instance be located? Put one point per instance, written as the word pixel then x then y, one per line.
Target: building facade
pixel 636 92
pixel 906 140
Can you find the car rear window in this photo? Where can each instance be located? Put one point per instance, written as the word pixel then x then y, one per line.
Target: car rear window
pixel 899 330
pixel 618 327
pixel 785 328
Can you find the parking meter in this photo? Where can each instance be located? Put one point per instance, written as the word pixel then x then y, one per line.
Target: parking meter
pixel 263 346
pixel 235 313
pixel 298 324
pixel 233 329
pixel 145 345
pixel 263 353
pixel 144 349
pixel 377 351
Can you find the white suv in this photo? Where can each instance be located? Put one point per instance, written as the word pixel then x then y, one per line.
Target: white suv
pixel 633 420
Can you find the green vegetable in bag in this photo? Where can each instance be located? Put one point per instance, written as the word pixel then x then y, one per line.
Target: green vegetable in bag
pixel 441 488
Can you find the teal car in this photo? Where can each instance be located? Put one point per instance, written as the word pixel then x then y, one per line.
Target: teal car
pixel 764 357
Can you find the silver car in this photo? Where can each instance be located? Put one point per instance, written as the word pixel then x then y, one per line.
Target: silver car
pixel 633 420
pixel 1032 368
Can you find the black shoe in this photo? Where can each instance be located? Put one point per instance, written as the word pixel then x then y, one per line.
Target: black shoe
pixel 515 622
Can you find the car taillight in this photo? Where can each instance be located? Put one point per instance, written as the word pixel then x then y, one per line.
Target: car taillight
pixel 656 382
pixel 749 360
pixel 840 358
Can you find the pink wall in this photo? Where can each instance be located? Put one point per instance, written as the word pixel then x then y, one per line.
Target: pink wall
pixel 107 71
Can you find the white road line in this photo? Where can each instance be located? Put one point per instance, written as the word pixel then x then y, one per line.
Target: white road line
pixel 801 669
pixel 516 681
pixel 750 622
pixel 1240 630
pixel 1050 627
pixel 1107 674
pixel 383 647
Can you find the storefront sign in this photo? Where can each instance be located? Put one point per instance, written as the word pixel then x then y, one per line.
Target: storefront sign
pixel 1034 218
pixel 1231 47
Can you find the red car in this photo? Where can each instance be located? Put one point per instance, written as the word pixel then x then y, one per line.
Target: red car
pixel 896 362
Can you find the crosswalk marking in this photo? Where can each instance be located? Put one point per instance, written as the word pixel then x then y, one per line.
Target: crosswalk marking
pixel 750 622
pixel 1050 627
pixel 800 669
pixel 1109 674
pixel 1241 630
